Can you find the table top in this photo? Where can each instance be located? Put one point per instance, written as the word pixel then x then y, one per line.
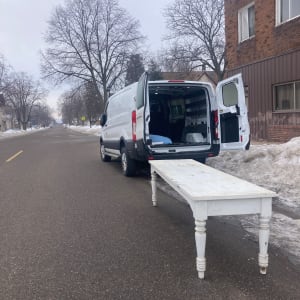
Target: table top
pixel 197 181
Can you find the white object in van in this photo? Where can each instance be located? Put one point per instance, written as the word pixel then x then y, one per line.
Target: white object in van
pixel 194 137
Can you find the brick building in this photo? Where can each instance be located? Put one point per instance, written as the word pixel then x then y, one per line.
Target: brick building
pixel 263 43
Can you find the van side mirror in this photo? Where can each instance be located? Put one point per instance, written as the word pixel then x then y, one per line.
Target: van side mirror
pixel 103 119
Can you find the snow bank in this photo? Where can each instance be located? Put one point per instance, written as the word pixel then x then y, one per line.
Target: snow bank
pixel 273 166
pixel 276 167
pixel 95 129
pixel 17 132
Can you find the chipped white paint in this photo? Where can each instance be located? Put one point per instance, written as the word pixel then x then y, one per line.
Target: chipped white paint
pixel 210 192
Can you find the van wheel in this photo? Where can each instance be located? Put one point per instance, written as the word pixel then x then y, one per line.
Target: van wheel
pixel 103 156
pixel 128 164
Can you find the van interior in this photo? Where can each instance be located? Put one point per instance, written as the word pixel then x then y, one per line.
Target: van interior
pixel 179 115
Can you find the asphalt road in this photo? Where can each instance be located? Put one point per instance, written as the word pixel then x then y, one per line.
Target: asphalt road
pixel 72 227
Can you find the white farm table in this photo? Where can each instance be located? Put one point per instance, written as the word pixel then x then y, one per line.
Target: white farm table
pixel 210 192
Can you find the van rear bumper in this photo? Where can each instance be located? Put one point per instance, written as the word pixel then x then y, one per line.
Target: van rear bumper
pixel 214 151
pixel 143 153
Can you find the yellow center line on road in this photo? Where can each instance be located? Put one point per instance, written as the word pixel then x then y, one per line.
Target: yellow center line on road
pixel 14 156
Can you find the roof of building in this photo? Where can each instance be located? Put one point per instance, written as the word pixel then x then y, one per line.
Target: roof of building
pixel 193 76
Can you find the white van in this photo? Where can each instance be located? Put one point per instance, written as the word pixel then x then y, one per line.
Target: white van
pixel 173 119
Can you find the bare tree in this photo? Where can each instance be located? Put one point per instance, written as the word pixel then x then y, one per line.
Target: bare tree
pixel 4 74
pixel 135 68
pixel 72 106
pixel 90 40
pixel 154 70
pixel 178 59
pixel 21 94
pixel 197 32
pixel 93 106
pixel 65 105
pixel 41 115
pixel 80 101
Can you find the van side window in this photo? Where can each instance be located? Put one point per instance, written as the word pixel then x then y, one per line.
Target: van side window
pixel 230 94
pixel 140 95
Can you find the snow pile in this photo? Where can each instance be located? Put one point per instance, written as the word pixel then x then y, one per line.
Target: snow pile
pixel 273 166
pixel 95 129
pixel 17 132
pixel 284 233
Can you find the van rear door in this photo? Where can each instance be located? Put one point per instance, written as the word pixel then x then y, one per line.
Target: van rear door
pixel 142 107
pixel 234 125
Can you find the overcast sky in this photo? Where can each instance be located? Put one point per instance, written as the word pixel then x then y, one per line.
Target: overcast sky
pixel 23 23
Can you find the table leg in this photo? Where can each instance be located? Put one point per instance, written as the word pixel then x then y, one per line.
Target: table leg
pixel 154 187
pixel 264 232
pixel 200 236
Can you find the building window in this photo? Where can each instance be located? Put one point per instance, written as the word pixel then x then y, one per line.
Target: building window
pixel 246 20
pixel 287 97
pixel 287 10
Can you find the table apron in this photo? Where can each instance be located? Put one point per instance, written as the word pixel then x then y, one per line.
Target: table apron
pixel 207 208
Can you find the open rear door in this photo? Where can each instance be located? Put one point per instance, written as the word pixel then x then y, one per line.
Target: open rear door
pixel 142 107
pixel 234 125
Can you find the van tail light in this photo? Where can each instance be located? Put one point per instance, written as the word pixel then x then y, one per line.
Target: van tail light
pixel 133 121
pixel 216 124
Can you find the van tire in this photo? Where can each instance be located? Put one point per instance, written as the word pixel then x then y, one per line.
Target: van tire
pixel 104 157
pixel 128 164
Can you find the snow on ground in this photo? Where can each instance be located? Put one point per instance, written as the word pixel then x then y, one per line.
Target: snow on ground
pixel 273 166
pixel 94 130
pixel 16 132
